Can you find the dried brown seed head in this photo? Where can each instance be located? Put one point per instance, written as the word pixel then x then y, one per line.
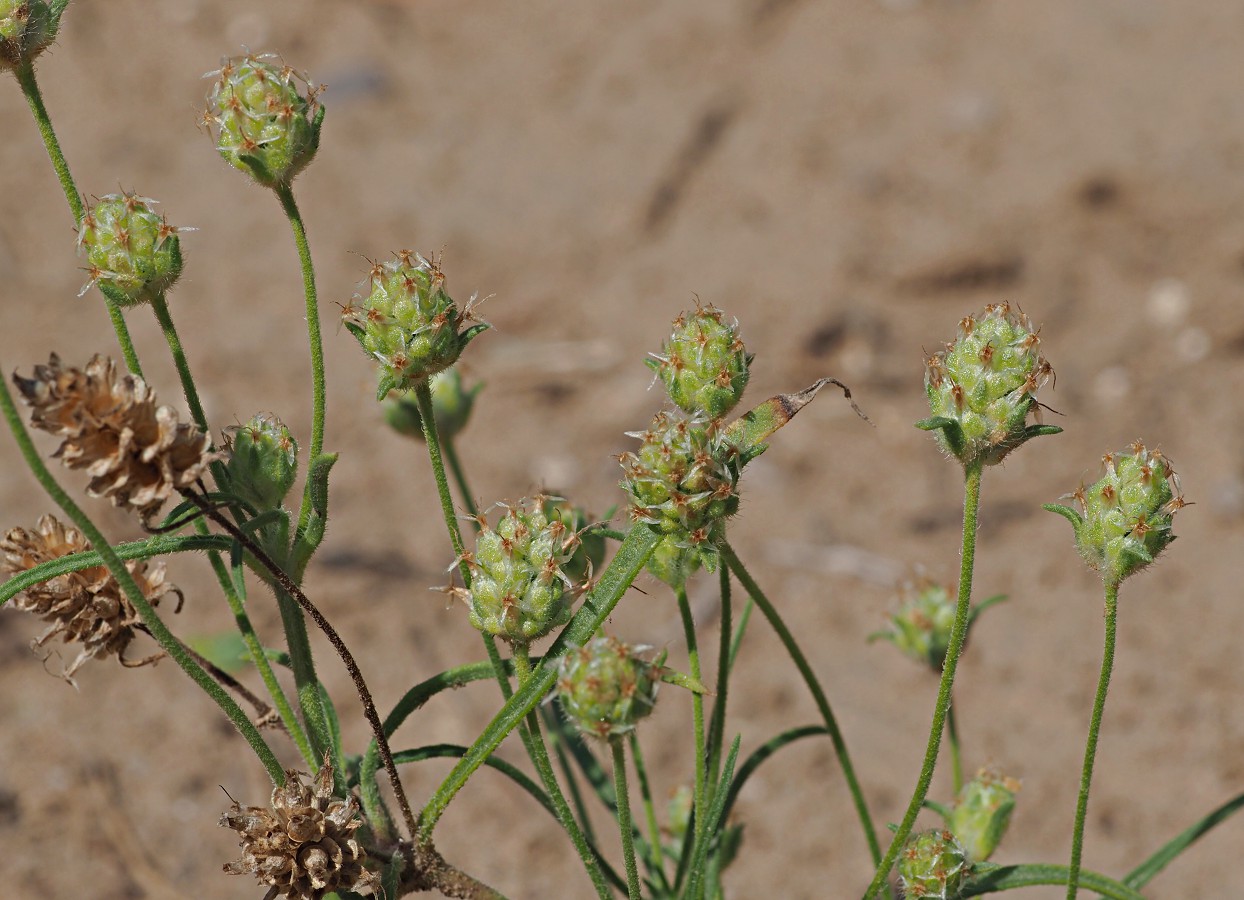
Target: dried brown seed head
pixel 137 453
pixel 87 606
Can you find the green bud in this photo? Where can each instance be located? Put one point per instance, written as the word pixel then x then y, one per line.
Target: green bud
pixel 982 387
pixel 590 552
pixel 921 627
pixel 27 28
pixel 683 482
pixel 451 406
pixel 932 866
pixel 606 687
pixel 407 323
pixel 704 365
pixel 1125 518
pixel 263 461
pixel 982 813
pixel 518 589
pixel 266 118
pixel 133 255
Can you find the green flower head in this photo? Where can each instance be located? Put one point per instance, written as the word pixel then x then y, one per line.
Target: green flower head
pixel 607 687
pixel 133 255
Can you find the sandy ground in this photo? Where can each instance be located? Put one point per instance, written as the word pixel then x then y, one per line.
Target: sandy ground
pixel 848 179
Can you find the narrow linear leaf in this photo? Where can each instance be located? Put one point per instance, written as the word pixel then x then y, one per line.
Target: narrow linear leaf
pixel 1142 874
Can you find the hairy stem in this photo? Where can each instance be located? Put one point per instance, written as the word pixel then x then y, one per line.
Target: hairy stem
pixel 34 98
pixel 540 757
pixel 697 719
pixel 1090 747
pixel 624 818
pixel 287 585
pixel 971 505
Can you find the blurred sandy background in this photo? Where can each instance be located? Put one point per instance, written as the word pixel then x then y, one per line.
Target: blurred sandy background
pixel 848 179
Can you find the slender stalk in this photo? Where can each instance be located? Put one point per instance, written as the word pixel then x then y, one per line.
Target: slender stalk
pixel 956 759
pixel 455 467
pixel 741 630
pixel 155 626
pixel 624 818
pixel 971 505
pixel 818 694
pixel 286 585
pixel 1090 747
pixel 160 307
pixel 236 598
pixel 650 813
pixel 302 664
pixel 697 719
pixel 34 98
pixel 286 195
pixel 717 724
pixel 540 756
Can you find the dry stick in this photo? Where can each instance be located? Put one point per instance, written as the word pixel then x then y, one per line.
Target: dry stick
pixel 263 711
pixel 287 584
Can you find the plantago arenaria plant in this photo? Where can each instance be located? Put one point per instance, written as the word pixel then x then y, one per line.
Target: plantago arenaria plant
pixel 1123 523
pixel 237 500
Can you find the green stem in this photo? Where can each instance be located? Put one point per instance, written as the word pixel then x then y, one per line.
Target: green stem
pixel 988 878
pixel 34 98
pixel 286 195
pixel 155 626
pixel 818 694
pixel 236 598
pixel 624 819
pixel 717 724
pixel 455 466
pixel 697 718
pixel 1090 747
pixel 650 813
pixel 971 505
pixel 231 588
pixel 956 760
pixel 306 682
pixel 539 756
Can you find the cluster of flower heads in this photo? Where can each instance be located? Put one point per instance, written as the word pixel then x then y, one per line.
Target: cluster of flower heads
pixel 519 590
pixel 132 254
pixel 137 453
pixel 86 607
pixel 404 320
pixel 983 386
pixel 683 480
pixel 303 845
pixel 266 117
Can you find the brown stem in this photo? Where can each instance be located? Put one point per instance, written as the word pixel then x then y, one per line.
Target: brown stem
pixel 264 714
pixel 430 872
pixel 287 584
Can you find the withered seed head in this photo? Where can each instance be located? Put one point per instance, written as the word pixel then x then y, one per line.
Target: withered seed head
pixel 87 606
pixel 136 452
pixel 302 846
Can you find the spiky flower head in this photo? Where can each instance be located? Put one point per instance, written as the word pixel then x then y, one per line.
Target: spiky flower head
pixel 266 117
pixel 921 627
pixel 589 553
pixel 518 589
pixel 932 866
pixel 132 254
pixel 451 406
pixel 982 813
pixel 1125 517
pixel 262 461
pixel 607 686
pixel 303 845
pixel 27 28
pixel 683 482
pixel 403 319
pixel 703 365
pixel 982 387
pixel 136 452
pixel 86 607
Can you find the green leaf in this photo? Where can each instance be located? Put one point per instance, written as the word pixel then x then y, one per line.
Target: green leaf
pixel 716 816
pixel 990 879
pixel 1071 515
pixel 227 650
pixel 975 611
pixel 951 429
pixel 308 539
pixel 763 752
pixel 1142 874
